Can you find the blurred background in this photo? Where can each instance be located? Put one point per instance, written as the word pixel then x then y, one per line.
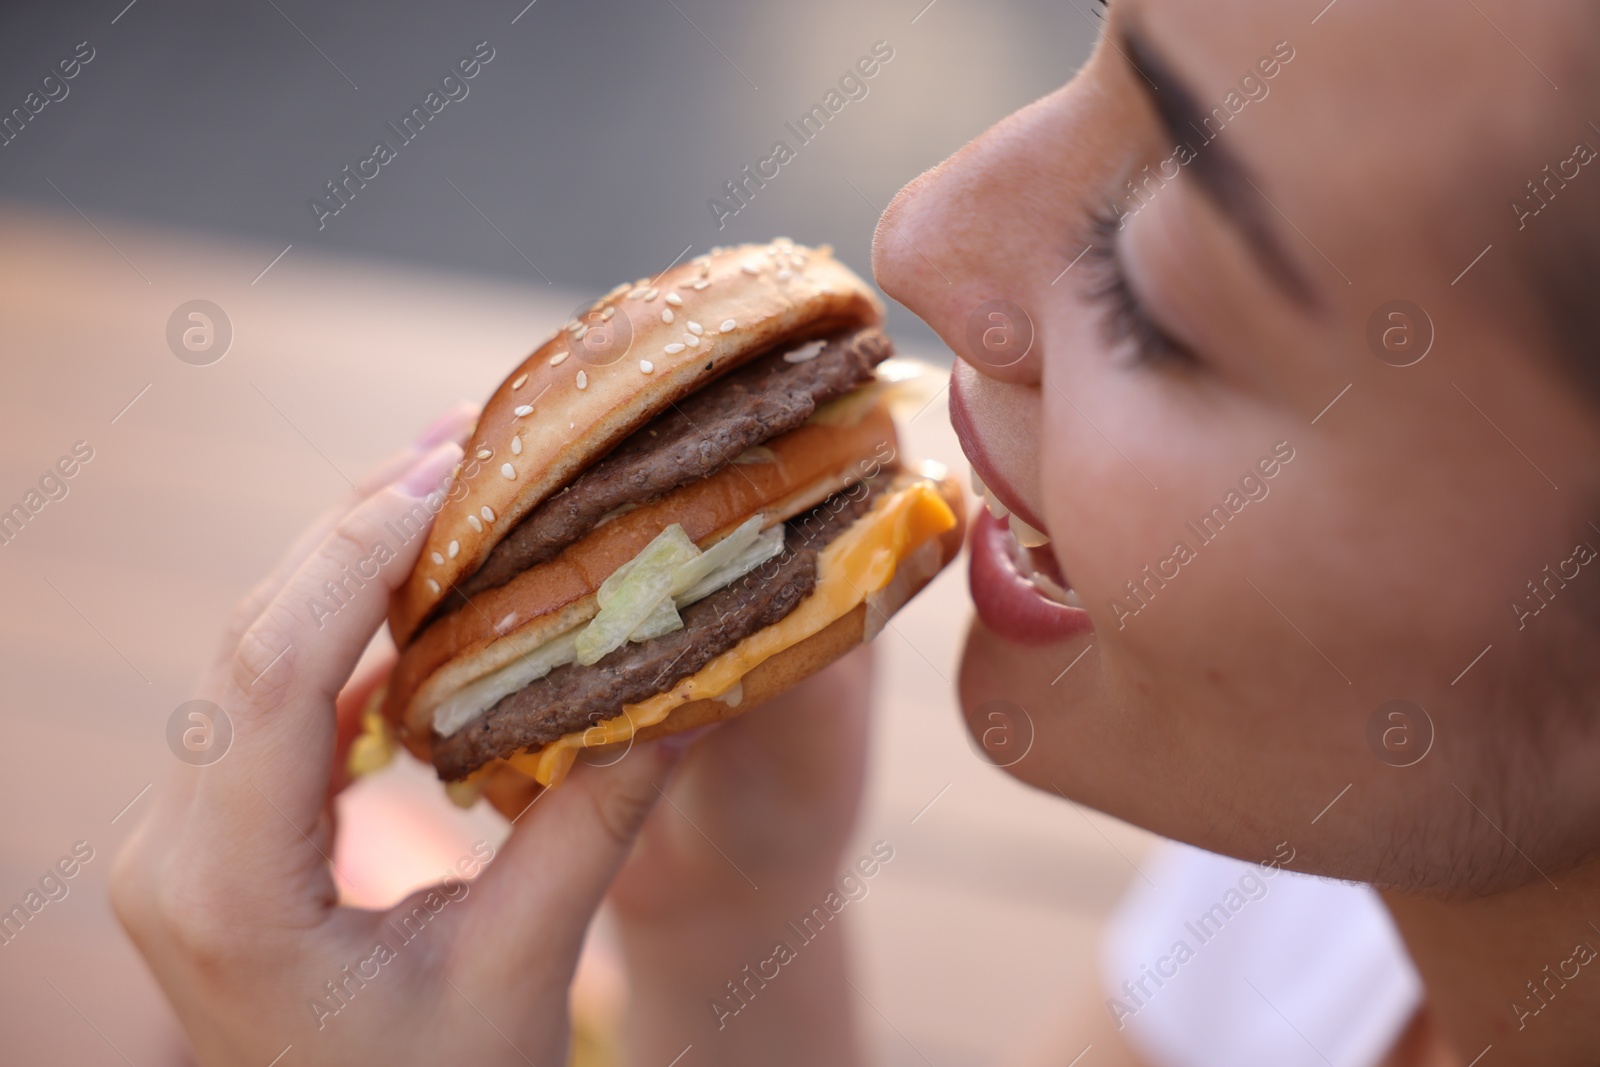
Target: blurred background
pixel 179 164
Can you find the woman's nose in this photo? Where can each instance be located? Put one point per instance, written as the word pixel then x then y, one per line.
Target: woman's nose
pixel 975 245
pixel 966 246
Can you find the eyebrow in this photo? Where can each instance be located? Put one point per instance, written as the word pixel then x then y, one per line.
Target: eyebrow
pixel 1223 176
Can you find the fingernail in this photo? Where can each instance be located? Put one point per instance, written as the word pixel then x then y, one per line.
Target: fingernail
pixel 431 470
pixel 450 426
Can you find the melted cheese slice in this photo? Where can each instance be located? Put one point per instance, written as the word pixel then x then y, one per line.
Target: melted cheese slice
pixel 859 562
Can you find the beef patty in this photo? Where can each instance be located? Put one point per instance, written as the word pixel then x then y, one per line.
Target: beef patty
pixel 694 439
pixel 575 697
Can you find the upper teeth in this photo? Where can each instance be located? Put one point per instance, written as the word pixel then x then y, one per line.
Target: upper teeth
pixel 1026 535
pixel 990 501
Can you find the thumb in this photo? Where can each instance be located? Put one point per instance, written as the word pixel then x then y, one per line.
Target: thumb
pixel 536 899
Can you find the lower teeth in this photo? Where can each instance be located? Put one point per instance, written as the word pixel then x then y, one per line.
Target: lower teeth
pixel 1047 586
pixel 1050 589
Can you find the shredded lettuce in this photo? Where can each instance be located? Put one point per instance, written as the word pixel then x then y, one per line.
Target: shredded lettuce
pixel 635 592
pixel 638 602
pixel 663 620
pixel 471 700
pixel 723 569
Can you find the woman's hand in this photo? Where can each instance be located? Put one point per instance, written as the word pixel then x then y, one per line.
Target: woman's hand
pixel 752 837
pixel 762 804
pixel 226 887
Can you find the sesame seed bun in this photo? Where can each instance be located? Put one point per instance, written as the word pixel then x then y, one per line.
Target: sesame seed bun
pixel 595 381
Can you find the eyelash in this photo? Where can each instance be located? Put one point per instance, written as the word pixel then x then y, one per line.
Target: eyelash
pixel 1124 320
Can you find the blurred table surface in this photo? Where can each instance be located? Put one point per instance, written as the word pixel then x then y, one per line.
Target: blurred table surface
pixel 982 925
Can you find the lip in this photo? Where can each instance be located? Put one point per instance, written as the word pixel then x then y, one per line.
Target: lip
pixel 978 454
pixel 1007 602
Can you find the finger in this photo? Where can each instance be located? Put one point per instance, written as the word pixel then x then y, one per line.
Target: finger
pixel 278 686
pixel 537 897
pixel 456 424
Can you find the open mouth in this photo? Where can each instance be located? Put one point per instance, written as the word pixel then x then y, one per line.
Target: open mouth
pixel 1029 550
pixel 1017 583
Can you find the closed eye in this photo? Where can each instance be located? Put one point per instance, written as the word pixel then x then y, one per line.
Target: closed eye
pixel 1125 322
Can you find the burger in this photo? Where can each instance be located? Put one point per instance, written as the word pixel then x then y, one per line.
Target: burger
pixel 688 499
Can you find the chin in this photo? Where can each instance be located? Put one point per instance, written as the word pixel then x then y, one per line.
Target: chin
pixel 1077 736
pixel 1037 732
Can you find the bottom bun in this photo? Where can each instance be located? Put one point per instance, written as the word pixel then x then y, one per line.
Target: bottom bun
pixel 511 789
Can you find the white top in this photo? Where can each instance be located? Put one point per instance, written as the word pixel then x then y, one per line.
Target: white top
pixel 1212 962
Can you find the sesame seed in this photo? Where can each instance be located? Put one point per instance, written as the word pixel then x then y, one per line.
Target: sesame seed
pixel 645 366
pixel 772 250
pixel 474 522
pixel 487 512
pixel 561 357
pixel 700 286
pixel 583 380
pixel 701 261
pixel 572 326
pixel 516 446
pixel 674 348
pixel 729 326
pixel 666 315
pixel 509 471
pixel 695 328
pixel 691 340
pixel 637 294
pixel 522 380
pixel 675 300
pixel 825 290
pixel 577 335
pixel 805 352
pixel 605 316
pixel 485 453
pixel 455 549
pixel 505 624
pixel 433 587
pixel 523 411
pixel 750 268
pixel 438 558
pixel 651 294
pixel 785 274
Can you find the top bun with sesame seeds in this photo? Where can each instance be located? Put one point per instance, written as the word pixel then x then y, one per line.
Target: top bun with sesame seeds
pixel 691 494
pixel 639 349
